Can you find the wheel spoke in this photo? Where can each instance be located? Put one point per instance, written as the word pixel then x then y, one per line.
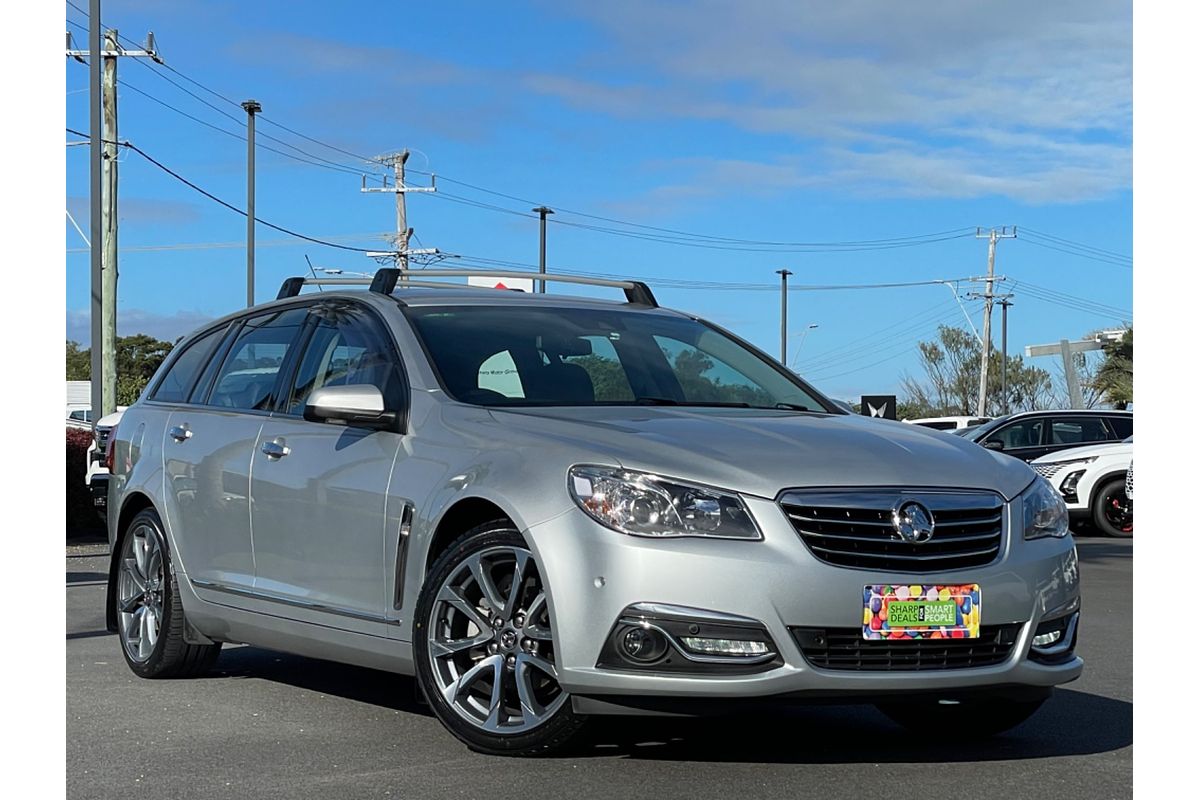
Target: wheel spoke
pixel 129 604
pixel 468 678
pixel 151 628
pixel 154 568
pixel 536 609
pixel 531 709
pixel 131 570
pixel 454 597
pixel 518 581
pixel 139 556
pixel 496 704
pixel 540 663
pixel 143 649
pixel 448 647
pixel 491 592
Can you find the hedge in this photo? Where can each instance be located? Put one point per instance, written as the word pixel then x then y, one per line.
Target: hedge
pixel 81 516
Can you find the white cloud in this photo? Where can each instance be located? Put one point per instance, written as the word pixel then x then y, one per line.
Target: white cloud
pixel 957 98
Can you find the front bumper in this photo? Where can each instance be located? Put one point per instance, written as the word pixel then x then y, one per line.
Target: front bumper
pixel 98 486
pixel 594 574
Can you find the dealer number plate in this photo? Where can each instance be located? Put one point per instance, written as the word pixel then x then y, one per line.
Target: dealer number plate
pixel 921 611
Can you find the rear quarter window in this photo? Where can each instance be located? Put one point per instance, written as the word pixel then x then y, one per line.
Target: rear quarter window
pixel 177 383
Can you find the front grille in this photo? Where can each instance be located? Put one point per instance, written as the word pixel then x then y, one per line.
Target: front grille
pixel 846 649
pixel 1047 471
pixel 854 529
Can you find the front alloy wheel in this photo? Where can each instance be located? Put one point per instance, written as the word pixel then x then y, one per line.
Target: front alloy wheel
pixel 485 652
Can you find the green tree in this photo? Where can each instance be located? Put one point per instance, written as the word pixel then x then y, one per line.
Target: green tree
pixel 608 377
pixel 1114 378
pixel 951 385
pixel 138 357
pixel 79 362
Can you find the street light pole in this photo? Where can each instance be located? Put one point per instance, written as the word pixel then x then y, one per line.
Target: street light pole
pixel 783 276
pixel 542 211
pixel 252 107
pixel 803 335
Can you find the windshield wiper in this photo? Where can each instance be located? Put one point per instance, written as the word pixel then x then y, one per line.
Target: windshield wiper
pixel 793 406
pixel 670 401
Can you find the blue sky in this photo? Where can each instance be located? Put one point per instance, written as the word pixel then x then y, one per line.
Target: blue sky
pixel 771 121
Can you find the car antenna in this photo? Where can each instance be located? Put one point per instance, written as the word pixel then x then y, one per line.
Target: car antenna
pixel 313 271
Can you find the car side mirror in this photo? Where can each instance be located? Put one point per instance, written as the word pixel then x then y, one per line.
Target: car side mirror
pixel 994 445
pixel 360 406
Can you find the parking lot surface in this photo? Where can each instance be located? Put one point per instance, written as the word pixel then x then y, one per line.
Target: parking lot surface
pixel 268 725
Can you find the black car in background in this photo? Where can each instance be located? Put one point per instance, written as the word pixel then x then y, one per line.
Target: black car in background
pixel 1032 434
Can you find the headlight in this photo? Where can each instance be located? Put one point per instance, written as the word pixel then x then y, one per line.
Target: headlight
pixel 1061 464
pixel 647 505
pixel 1045 511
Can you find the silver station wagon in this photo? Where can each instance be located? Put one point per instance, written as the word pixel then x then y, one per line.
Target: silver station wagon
pixel 548 507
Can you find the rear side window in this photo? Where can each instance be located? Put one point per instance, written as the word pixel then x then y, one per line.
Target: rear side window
pixel 1078 430
pixel 177 383
pixel 1122 426
pixel 1024 433
pixel 246 380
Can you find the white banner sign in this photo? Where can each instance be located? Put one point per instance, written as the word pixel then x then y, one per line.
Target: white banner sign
pixel 524 284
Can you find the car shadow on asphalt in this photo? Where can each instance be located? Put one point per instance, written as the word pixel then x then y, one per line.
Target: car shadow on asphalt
pixel 1070 723
pixel 384 689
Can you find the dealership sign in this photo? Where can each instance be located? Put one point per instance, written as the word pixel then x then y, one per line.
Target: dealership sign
pixel 879 405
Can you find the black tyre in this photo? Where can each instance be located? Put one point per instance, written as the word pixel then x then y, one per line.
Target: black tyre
pixel 976 719
pixel 150 621
pixel 484 651
pixel 1112 510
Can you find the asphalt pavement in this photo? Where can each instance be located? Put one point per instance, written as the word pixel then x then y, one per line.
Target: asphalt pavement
pixel 269 725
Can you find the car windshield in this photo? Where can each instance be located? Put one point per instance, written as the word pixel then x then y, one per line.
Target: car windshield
pixel 522 356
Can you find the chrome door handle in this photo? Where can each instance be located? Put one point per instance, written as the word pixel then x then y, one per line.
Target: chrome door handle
pixel 275 449
pixel 180 433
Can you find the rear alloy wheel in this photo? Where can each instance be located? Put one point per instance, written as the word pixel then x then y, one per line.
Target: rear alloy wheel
pixel 150 621
pixel 1112 510
pixel 484 649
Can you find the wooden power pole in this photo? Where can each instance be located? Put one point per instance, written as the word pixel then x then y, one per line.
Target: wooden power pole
pixel 992 236
pixel 103 134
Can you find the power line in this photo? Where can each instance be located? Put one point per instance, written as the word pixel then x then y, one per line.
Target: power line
pixel 238 120
pixel 719 243
pixel 238 136
pixel 230 206
pixel 1078 254
pixel 893 353
pixel 870 340
pixel 1080 245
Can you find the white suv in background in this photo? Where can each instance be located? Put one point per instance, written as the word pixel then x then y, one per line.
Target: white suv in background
pixel 97 475
pixel 948 423
pixel 1092 481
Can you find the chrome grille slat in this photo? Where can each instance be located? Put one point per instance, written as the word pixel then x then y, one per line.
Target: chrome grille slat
pixel 930 557
pixel 852 528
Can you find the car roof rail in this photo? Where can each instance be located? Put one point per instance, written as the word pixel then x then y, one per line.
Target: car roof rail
pixel 387 279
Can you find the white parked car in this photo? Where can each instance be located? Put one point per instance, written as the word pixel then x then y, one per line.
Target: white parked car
pixel 97 472
pixel 948 423
pixel 1092 481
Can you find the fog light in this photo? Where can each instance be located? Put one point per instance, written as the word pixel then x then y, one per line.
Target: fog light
pixel 724 647
pixel 643 645
pixel 1046 639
